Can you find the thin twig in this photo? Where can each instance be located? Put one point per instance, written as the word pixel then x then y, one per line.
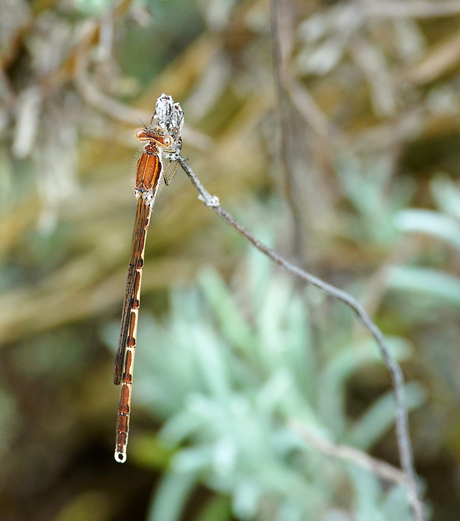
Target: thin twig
pixel 402 423
pixel 380 468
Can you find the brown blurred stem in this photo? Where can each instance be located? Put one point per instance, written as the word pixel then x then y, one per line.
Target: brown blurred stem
pixel 401 416
pixel 411 8
pixel 280 76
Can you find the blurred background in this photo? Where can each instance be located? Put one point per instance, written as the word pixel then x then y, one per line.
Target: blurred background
pixel 341 150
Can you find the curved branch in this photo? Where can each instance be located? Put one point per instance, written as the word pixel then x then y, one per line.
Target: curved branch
pixel 402 422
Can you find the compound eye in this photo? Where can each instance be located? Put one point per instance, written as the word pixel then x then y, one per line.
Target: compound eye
pixel 168 141
pixel 141 135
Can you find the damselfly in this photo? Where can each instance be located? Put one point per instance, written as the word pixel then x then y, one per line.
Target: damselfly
pixel 162 139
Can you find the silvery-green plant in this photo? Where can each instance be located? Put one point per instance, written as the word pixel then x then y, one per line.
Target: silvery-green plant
pixel 437 287
pixel 228 375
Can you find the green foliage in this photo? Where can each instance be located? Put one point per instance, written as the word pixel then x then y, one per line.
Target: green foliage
pixel 228 376
pixel 435 286
pixel 366 185
pixel 92 7
pixel 371 503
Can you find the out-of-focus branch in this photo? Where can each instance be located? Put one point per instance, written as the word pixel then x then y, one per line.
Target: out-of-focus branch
pixel 442 60
pixel 402 423
pixel 281 43
pixel 411 8
pixel 380 468
pixel 120 111
pixel 93 96
pixel 305 103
